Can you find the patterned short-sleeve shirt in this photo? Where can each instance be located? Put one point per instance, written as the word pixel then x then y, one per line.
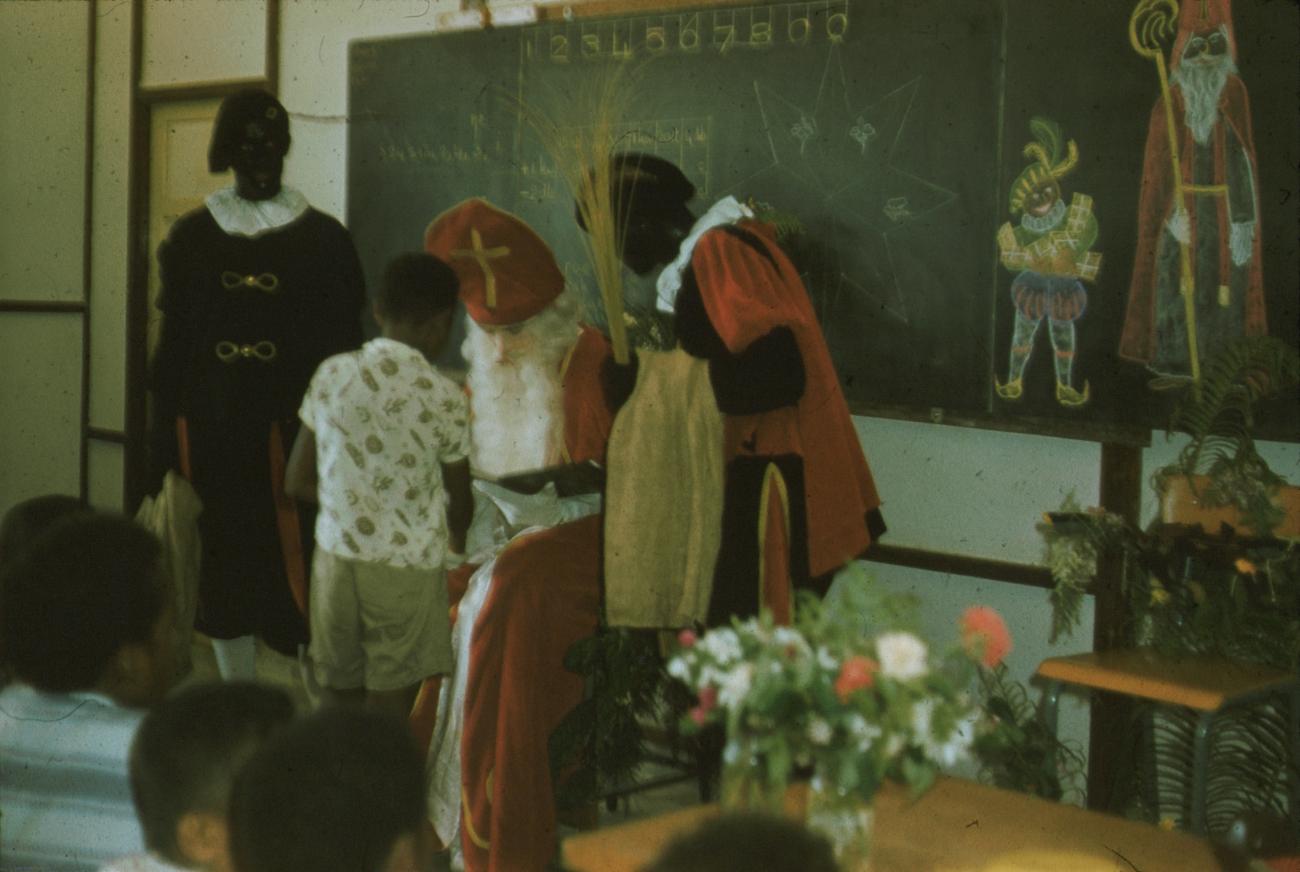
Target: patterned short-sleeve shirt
pixel 385 420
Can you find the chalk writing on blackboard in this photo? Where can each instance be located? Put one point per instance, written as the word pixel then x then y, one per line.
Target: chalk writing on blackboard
pixel 720 31
pixel 685 140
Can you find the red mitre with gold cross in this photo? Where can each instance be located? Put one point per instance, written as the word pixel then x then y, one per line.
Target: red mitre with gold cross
pixel 507 273
pixel 1198 17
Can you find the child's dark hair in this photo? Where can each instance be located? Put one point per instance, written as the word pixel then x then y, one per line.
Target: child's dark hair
pixel 415 287
pixel 82 589
pixel 741 841
pixel 25 521
pixel 333 792
pixel 188 749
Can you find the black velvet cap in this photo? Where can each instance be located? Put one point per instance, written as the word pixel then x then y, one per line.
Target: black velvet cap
pixel 236 112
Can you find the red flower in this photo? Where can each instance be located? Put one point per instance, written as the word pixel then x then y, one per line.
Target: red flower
pixel 686 638
pixel 699 715
pixel 708 697
pixel 984 635
pixel 855 673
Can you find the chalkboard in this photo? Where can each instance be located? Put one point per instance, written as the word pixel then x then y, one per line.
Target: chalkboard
pixel 892 131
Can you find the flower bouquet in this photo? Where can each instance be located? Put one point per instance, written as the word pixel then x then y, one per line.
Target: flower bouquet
pixel 850 695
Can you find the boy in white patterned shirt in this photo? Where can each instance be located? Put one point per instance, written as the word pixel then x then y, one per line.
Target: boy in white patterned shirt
pixel 383 449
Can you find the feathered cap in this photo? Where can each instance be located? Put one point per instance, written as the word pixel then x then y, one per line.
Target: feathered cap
pixel 507 272
pixel 1049 163
pixel 250 106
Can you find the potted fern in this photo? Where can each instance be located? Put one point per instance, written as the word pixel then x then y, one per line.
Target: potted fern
pixel 1220 477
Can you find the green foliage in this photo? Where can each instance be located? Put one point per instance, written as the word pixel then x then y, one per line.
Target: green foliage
pixel 1219 416
pixel 600 742
pixel 850 692
pixel 1237 599
pixel 1072 553
pixel 1247 773
pixel 1194 593
pixel 1018 751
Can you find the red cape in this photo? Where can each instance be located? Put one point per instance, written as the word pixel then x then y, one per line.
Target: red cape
pixel 545 596
pixel 747 295
pixel 1156 203
pixel 587 418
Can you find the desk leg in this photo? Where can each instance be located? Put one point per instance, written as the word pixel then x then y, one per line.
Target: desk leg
pixel 1051 705
pixel 1293 724
pixel 1200 771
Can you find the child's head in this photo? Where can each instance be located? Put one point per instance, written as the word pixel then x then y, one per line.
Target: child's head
pixel 339 791
pixel 19 528
pixel 25 521
pixel 87 607
pixel 415 301
pixel 183 764
pixel 738 842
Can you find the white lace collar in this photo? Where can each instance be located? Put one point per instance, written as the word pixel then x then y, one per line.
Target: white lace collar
pixel 1044 223
pixel 240 217
pixel 726 211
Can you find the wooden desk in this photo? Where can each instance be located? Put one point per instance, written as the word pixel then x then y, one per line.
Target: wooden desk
pixel 958 826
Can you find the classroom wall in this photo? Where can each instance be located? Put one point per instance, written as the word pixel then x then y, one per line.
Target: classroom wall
pixel 43 61
pixel 945 488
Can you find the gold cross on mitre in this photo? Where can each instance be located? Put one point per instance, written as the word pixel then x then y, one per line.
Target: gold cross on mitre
pixel 484 257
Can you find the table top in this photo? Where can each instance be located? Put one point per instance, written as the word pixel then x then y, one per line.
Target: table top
pixel 957 826
pixel 1204 682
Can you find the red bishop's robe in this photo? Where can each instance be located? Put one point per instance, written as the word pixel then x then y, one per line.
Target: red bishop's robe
pixel 545 596
pixel 747 295
pixel 1156 204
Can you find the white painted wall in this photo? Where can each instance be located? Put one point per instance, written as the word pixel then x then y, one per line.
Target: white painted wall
pixel 42 190
pixel 220 42
pixel 108 250
pixel 42 148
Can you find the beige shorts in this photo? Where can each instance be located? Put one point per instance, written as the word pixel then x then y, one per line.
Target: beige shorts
pixel 377 626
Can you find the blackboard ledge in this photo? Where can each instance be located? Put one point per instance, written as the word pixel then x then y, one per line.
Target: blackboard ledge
pixel 1027 574
pixel 1085 431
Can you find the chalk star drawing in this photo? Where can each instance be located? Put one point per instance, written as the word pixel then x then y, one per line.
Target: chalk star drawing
pixel 848 154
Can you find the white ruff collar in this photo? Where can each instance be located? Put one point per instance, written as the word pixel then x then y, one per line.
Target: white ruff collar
pixel 240 217
pixel 726 211
pixel 1044 223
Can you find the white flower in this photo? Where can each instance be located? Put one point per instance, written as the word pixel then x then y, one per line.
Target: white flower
pixel 731 753
pixel 788 638
pixel 819 732
pixel 734 686
pixel 956 746
pixel 678 669
pixel 902 656
pixel 922 715
pixel 723 645
pixel 826 660
pixel 864 731
pixel 711 676
pixel 894 745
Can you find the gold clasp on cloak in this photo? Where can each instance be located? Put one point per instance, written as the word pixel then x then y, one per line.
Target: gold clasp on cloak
pixel 229 352
pixel 267 282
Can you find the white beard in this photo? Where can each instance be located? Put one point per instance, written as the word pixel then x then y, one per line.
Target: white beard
pixel 1201 85
pixel 517 404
